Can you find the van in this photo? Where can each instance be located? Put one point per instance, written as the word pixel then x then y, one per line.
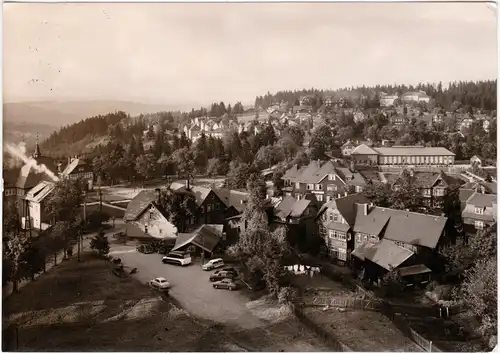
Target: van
pixel 177 258
pixel 213 264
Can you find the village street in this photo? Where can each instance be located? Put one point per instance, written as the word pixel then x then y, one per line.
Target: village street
pixel 191 288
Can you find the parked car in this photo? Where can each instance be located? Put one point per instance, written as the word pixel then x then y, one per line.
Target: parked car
pixel 160 283
pixel 146 249
pixel 177 258
pixel 219 275
pixel 230 270
pixel 213 264
pixel 228 284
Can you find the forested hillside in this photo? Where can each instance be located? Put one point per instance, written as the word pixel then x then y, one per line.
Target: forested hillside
pixel 119 127
pixel 481 94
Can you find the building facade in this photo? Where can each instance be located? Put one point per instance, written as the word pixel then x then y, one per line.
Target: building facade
pixel 402 155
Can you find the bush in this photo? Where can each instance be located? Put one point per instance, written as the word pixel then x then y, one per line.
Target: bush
pixel 287 295
pixel 100 244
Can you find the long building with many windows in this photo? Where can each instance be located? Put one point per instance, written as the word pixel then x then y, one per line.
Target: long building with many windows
pixel 402 155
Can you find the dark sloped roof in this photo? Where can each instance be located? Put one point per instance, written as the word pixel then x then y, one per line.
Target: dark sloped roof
pixel 139 204
pixel 369 224
pixel 284 207
pixel 29 178
pixel 206 236
pixel 200 193
pixel 482 200
pixel 353 178
pixel 465 194
pixel 10 177
pixel 409 227
pixel 232 198
pixel 299 207
pixel 385 253
pixel 346 206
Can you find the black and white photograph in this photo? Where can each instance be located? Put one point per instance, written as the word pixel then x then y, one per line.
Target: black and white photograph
pixel 249 177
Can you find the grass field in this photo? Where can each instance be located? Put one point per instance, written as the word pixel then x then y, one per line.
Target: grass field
pixel 84 307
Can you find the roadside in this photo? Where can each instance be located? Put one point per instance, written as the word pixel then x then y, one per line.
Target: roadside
pixel 8 289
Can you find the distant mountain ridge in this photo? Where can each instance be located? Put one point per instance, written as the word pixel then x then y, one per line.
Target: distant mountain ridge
pixel 60 113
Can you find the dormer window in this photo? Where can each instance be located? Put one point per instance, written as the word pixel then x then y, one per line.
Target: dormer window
pixel 331 177
pixel 479 211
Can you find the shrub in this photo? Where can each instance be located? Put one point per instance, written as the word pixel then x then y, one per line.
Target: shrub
pixel 287 295
pixel 100 244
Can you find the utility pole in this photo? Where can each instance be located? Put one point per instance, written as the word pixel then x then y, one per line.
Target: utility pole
pixel 79 238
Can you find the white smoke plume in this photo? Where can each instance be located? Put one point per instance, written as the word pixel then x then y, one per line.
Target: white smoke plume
pixel 19 152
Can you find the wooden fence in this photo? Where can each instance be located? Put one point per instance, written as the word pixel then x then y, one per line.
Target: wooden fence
pixel 348 302
pixel 328 336
pixel 398 320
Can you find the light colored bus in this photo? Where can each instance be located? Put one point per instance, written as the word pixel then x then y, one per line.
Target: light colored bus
pixel 177 258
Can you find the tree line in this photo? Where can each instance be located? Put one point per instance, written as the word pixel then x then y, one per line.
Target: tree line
pixel 479 94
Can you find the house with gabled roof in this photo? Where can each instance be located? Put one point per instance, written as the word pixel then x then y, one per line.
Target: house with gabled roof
pixel 380 239
pixel 432 185
pixel 480 212
pixel 325 179
pixel 298 216
pixel 35 198
pixel 210 207
pixel 347 148
pixel 386 239
pixel 144 220
pixel 79 169
pixel 335 224
pixel 204 239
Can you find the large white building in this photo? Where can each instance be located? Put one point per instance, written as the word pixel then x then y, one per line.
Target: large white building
pixel 402 155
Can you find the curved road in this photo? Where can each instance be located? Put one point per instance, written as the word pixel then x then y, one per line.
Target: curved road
pixel 191 288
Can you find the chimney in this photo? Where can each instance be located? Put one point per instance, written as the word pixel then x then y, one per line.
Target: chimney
pixel 352 166
pixel 69 160
pixel 365 209
pixel 188 186
pixel 158 194
pixel 345 194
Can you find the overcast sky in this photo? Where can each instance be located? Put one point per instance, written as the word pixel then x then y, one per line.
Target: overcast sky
pixel 174 53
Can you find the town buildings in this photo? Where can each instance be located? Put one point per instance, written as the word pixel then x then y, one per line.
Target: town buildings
pixel 387 100
pixel 480 212
pixel 432 185
pixel 35 202
pixel 78 169
pixel 378 240
pixel 28 176
pixel 325 179
pixel 402 155
pixel 415 96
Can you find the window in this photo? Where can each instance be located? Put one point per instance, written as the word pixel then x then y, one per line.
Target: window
pixel 209 207
pixel 358 189
pixel 337 235
pixel 439 192
pixel 331 188
pixel 342 254
pixel 335 217
pixel 330 216
pixel 479 225
pixel 331 177
pixel 479 211
pixel 297 185
pixel 319 187
pixel 310 186
pixel 319 197
pixel 217 206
